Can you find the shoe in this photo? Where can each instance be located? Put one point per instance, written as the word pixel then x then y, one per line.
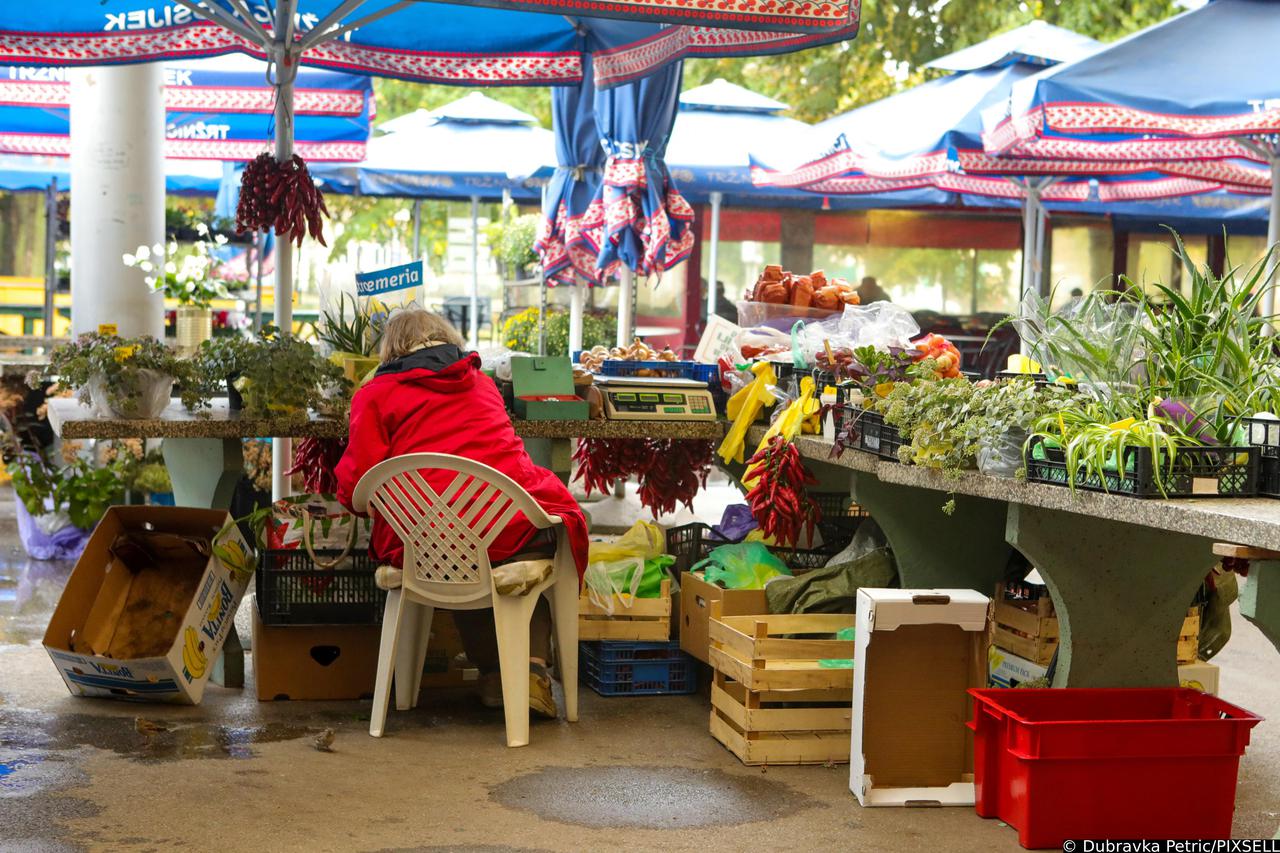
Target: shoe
pixel 489 686
pixel 541 700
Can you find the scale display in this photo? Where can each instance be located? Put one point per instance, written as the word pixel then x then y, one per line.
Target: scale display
pixel 656 399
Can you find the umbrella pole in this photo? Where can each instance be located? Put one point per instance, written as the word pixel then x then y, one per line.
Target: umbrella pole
pixel 50 253
pixel 542 318
pixel 1030 215
pixel 575 317
pixel 1273 237
pixel 286 62
pixel 417 228
pixel 260 250
pixel 713 260
pixel 626 305
pixel 474 334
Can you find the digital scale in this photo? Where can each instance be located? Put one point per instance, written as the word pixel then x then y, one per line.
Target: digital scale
pixel 655 398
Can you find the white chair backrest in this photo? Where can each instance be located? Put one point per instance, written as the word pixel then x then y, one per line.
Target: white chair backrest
pixel 447 530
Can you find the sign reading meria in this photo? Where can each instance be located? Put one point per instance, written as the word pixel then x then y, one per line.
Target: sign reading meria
pixel 392 278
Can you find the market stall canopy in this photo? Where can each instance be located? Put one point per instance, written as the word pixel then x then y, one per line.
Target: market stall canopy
pixel 492 42
pixel 20 173
pixel 721 126
pixel 474 147
pixel 215 109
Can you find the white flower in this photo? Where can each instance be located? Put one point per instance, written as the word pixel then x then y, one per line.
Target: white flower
pixel 144 252
pixel 146 266
pixel 220 239
pixel 173 247
pixel 191 286
pixel 171 268
pixel 129 260
pixel 202 229
pixel 158 249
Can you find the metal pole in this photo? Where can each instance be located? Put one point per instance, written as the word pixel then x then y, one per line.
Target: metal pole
pixel 286 62
pixel 417 228
pixel 713 261
pixel 575 317
pixel 50 254
pixel 1042 227
pixel 626 306
pixel 1273 237
pixel 260 248
pixel 1030 212
pixel 474 334
pixel 542 318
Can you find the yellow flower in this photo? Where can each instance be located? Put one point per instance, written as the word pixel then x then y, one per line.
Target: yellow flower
pixel 125 353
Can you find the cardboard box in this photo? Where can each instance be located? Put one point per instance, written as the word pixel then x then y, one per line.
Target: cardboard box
pixel 1200 675
pixel 1005 669
pixel 696 596
pixel 148 605
pixel 543 390
pixel 916 653
pixel 318 662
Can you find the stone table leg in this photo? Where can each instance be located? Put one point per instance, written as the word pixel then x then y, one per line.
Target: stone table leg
pixel 554 454
pixel 934 550
pixel 205 472
pixel 1260 598
pixel 1121 593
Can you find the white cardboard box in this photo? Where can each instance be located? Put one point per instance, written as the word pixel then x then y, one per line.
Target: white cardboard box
pixel 1201 675
pixel 149 626
pixel 917 652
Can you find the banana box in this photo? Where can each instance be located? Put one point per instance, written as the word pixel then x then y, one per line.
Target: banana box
pixel 150 603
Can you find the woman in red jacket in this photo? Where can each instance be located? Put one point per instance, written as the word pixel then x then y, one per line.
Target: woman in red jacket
pixel 429 396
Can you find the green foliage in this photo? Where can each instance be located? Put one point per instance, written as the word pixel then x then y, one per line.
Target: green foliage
pixel 152 477
pixel 351 329
pixel 512 243
pixel 520 334
pixel 127 367
pixel 79 489
pixel 285 376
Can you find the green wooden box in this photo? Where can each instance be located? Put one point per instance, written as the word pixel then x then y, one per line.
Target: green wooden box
pixel 543 389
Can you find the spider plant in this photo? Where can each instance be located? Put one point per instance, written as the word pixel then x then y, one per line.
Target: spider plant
pixel 356 331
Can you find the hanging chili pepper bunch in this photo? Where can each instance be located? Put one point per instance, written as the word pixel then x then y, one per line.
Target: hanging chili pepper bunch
pixel 316 459
pixel 280 196
pixel 679 470
pixel 670 471
pixel 779 499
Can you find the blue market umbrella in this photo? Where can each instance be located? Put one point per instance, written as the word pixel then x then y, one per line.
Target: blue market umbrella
pixel 215 109
pixel 1195 92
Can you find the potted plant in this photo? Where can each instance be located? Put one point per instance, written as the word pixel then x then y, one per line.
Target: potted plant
pixel 285 377
pixel 190 281
pixel 511 244
pixel 58 506
pixel 353 335
pixel 223 360
pixel 127 378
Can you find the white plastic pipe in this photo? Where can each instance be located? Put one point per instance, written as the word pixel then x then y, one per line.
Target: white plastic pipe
pixel 713 260
pixel 576 300
pixel 117 169
pixel 1273 237
pixel 286 70
pixel 50 254
pixel 417 228
pixel 1030 246
pixel 474 334
pixel 626 305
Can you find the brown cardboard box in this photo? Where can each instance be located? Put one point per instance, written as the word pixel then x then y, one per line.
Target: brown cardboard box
pixel 916 653
pixel 149 605
pixel 340 661
pixel 696 596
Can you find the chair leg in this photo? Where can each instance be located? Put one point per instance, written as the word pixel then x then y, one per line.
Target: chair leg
pixel 406 652
pixel 564 615
pixel 511 617
pixel 425 615
pixel 386 662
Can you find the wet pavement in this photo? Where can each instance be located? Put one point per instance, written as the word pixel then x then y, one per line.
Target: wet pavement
pixel 640 774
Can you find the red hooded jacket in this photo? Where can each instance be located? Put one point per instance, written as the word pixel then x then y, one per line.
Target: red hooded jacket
pixel 436 400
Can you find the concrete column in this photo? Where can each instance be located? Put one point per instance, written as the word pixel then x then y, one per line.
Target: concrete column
pixel 797 241
pixel 117 170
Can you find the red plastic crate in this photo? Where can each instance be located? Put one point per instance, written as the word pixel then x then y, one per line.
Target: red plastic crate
pixel 1107 763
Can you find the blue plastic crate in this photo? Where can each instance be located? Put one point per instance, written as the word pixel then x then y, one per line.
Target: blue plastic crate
pixel 708 373
pixel 637 669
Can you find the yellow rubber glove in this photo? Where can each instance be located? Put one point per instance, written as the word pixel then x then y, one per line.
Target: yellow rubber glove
pixel 743 408
pixel 788 424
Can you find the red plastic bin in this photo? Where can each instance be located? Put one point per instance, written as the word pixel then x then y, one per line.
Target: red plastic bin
pixel 1107 763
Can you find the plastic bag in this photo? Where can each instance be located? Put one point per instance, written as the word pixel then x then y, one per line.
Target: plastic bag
pixel 868 537
pixel 643 540
pixel 747 565
pixel 50 535
pixel 882 325
pixel 753 342
pixel 1094 339
pixel 632 566
pixel 1001 455
pixel 736 522
pixel 744 407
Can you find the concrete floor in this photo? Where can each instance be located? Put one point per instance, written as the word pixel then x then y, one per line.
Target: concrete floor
pixel 639 774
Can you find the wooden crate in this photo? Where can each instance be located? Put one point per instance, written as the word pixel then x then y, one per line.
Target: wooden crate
pixel 771 700
pixel 646 620
pixel 1189 637
pixel 1028 630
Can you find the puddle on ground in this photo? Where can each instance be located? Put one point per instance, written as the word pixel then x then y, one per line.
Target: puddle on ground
pixel 29 590
pixel 21 732
pixel 648 797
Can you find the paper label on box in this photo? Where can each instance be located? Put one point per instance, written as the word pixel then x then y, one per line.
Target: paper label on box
pixel 719 340
pixel 107 329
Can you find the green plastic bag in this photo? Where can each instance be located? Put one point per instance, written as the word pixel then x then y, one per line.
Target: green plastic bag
pixel 627 578
pixel 746 565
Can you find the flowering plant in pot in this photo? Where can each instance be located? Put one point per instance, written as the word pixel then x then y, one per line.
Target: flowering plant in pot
pixel 59 504
pixel 190 279
pixel 119 377
pixel 285 376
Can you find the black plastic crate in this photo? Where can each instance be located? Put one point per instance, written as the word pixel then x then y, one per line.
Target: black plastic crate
pixel 1264 434
pixel 1269 476
pixel 1198 472
pixel 292 591
pixel 636 669
pixel 869 433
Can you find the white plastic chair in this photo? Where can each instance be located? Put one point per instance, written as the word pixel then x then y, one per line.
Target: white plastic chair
pixel 446 538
